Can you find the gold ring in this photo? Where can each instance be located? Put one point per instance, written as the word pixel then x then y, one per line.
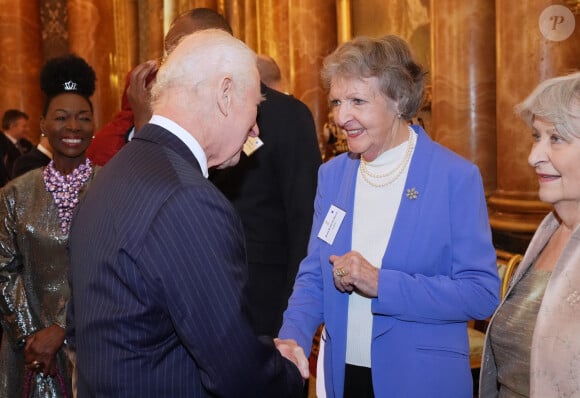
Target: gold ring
pixel 36 364
pixel 340 272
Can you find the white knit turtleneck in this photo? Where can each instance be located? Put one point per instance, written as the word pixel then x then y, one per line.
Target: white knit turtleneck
pixel 375 209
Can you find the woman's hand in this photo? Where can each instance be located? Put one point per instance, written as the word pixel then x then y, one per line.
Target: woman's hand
pixel 353 272
pixel 294 353
pixel 41 348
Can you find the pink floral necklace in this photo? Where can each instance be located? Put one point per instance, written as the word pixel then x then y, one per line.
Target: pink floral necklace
pixel 65 189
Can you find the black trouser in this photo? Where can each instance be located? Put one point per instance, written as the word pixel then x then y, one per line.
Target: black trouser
pixel 358 382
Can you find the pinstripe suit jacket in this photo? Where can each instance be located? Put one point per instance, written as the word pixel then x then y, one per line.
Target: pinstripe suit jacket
pixel 157 274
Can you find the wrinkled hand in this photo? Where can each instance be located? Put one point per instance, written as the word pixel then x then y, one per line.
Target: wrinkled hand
pixel 41 348
pixel 294 353
pixel 352 271
pixel 139 92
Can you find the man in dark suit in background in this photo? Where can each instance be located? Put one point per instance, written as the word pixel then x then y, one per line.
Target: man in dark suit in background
pixel 273 190
pixel 13 142
pixel 39 156
pixel 157 252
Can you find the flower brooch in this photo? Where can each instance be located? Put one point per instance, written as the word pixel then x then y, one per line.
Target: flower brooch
pixel 412 193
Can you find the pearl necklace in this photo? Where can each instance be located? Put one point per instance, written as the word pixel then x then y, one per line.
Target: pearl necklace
pixel 367 175
pixel 65 189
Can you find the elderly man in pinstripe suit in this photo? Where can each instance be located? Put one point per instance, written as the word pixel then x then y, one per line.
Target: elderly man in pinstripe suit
pixel 158 265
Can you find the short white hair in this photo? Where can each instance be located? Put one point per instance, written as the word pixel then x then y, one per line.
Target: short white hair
pixel 201 56
pixel 558 101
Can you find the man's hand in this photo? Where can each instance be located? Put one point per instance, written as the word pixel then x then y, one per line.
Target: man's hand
pixel 294 353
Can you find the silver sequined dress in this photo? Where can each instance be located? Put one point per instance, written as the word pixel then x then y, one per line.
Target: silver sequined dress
pixel 33 279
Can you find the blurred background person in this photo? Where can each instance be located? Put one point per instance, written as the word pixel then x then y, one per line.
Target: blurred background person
pixel 532 346
pixel 273 188
pixel 35 213
pixel 400 256
pixel 270 73
pixel 38 156
pixel 13 142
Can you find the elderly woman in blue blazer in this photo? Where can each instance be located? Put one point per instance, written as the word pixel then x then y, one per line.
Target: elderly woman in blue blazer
pixel 400 255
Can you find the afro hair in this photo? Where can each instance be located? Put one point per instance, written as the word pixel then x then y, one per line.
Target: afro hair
pixel 69 73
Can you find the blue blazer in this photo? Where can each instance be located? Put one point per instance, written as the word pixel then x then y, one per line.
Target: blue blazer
pixel 439 271
pixel 158 272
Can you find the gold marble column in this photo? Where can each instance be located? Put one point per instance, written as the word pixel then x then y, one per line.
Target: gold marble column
pixel 21 61
pixel 463 81
pixel 298 35
pixel 274 35
pixel 105 33
pixel 343 20
pixel 313 35
pixel 151 24
pixel 536 39
pixel 234 13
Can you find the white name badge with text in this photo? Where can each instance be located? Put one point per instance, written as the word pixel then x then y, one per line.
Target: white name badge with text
pixel 331 224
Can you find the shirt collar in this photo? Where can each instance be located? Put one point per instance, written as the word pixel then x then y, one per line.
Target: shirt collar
pixel 44 150
pixel 185 137
pixel 12 139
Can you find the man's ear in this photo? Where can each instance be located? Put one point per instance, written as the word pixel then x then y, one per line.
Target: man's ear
pixel 225 93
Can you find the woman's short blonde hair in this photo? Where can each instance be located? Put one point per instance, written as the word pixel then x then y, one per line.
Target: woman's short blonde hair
pixel 558 101
pixel 390 60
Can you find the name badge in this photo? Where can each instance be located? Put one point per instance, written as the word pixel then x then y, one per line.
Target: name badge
pixel 252 144
pixel 331 224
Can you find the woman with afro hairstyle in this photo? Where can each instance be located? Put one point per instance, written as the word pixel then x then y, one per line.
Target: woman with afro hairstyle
pixel 35 215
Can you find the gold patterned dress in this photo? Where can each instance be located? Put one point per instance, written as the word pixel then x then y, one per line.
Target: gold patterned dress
pixel 512 340
pixel 33 280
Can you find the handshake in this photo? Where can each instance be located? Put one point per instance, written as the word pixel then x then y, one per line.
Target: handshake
pixel 294 353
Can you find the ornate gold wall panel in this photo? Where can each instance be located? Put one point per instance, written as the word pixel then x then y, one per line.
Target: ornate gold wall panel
pixel 54 24
pixel 463 78
pixel 20 45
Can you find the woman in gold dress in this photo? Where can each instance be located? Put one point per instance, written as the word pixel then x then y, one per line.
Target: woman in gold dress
pixel 35 214
pixel 532 347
